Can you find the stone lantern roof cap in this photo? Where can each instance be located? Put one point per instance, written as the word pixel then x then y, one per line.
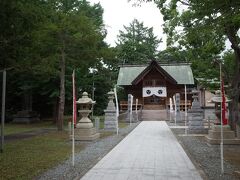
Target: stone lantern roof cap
pixel 217 98
pixel 194 91
pixel 85 99
pixel 110 93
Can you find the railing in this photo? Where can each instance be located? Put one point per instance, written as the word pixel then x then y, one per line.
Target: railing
pixel 124 106
pixel 182 105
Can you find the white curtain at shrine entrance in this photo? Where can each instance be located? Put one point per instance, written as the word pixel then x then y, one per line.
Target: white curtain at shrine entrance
pixel 157 91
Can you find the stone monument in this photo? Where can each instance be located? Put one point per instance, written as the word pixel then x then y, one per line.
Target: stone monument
pixel 195 124
pixel 171 105
pixel 130 117
pixel 84 129
pixel 214 134
pixel 26 116
pixel 110 122
pixel 177 111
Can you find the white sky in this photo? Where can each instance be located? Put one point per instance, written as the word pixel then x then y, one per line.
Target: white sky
pixel 119 12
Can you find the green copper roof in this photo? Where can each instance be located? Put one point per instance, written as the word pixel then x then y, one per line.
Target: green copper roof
pixel 181 73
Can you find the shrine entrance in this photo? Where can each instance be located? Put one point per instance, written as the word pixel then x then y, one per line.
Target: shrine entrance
pixel 154 102
pixel 153 85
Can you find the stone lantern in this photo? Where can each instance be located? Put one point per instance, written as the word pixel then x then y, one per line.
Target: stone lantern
pixel 214 134
pixel 110 122
pixel 217 100
pixel 84 128
pixel 196 115
pixel 195 96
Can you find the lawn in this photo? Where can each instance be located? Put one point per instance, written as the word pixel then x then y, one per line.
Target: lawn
pixel 12 128
pixel 28 158
pixel 25 159
pixel 120 124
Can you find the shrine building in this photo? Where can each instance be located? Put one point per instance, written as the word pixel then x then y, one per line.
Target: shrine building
pixel 154 84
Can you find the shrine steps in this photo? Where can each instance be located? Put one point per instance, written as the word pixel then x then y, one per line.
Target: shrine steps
pixel 154 115
pixel 154 107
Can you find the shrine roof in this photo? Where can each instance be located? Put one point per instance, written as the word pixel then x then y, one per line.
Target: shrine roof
pixel 182 73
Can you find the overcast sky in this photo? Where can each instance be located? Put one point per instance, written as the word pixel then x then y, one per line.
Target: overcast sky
pixel 119 12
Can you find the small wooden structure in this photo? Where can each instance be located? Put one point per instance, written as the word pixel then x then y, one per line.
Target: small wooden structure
pixel 154 84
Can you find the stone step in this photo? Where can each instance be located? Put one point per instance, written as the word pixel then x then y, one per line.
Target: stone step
pixel 225 141
pixel 217 134
pixel 154 115
pixel 154 107
pixel 214 135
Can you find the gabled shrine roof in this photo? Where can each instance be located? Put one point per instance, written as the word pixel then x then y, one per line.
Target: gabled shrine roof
pixel 182 73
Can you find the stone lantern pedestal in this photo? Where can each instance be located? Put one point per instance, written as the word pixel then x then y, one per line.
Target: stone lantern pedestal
pixel 110 122
pixel 214 134
pixel 195 124
pixel 84 129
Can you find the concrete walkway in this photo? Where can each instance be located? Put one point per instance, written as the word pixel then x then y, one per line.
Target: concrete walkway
pixel 149 152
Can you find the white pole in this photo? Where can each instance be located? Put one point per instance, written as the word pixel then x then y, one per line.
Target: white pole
pixel 137 109
pixel 136 105
pixel 73 139
pixel 171 104
pixel 131 104
pixel 93 89
pixel 117 128
pixel 170 109
pixel 221 144
pixel 175 109
pixel 3 109
pixel 73 145
pixel 117 108
pixel 185 87
pixel 185 99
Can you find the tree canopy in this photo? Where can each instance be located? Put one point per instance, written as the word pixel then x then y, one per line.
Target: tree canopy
pixel 201 27
pixel 44 41
pixel 137 44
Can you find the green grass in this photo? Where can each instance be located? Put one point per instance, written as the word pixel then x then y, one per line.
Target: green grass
pixel 120 124
pixel 123 124
pixel 12 128
pixel 28 158
pixel 106 134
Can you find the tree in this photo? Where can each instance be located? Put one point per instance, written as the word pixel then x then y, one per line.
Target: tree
pixel 173 54
pixel 19 20
pixel 44 41
pixel 101 81
pixel 75 36
pixel 228 66
pixel 207 21
pixel 137 43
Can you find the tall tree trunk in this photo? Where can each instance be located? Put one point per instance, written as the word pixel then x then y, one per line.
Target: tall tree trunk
pixel 62 89
pixel 231 34
pixel 235 93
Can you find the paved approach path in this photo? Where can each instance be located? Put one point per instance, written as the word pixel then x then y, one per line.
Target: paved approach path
pixel 149 152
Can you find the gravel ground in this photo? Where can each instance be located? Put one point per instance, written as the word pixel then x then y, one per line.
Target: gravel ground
pixel 87 158
pixel 206 157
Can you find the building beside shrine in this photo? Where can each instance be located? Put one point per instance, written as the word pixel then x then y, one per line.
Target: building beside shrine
pixel 154 84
